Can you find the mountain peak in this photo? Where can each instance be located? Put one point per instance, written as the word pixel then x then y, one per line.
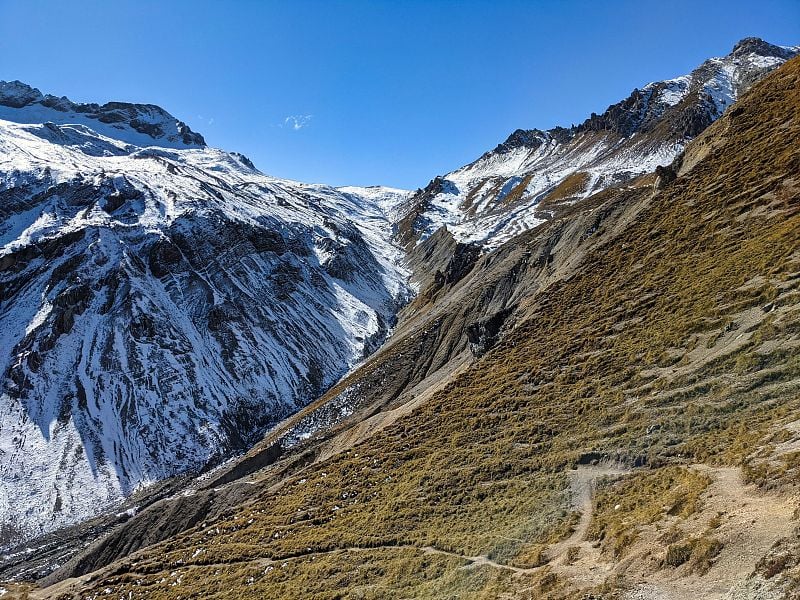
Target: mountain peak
pixel 755 45
pixel 18 94
pixel 521 137
pixel 137 124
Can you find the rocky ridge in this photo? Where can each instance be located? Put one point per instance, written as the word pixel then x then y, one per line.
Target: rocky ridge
pixel 533 174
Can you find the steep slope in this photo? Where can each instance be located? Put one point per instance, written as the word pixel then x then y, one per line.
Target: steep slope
pixel 531 176
pixel 160 308
pixel 668 335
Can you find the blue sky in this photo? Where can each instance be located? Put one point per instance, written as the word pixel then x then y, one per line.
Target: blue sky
pixel 365 93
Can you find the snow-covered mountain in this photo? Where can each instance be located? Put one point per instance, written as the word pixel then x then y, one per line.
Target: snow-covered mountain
pixel 135 124
pixel 161 302
pixel 526 179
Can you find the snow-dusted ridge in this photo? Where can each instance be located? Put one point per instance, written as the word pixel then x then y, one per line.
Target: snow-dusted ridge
pixel 134 124
pixel 522 182
pixel 162 303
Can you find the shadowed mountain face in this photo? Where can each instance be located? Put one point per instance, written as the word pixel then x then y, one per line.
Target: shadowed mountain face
pixel 535 174
pixel 160 309
pixel 572 415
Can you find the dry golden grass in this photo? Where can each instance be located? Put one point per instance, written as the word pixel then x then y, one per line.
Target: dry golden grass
pixel 516 193
pixel 571 186
pixel 622 506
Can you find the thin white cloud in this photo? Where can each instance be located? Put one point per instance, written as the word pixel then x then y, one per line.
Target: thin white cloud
pixel 297 121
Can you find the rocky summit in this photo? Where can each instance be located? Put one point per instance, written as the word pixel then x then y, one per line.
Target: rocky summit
pixel 569 369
